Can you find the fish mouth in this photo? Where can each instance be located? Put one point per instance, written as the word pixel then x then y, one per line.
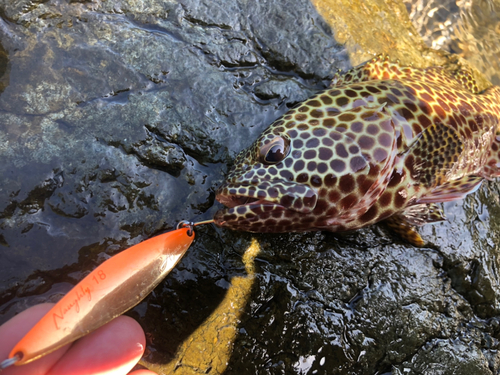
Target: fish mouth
pixel 252 205
pixel 232 201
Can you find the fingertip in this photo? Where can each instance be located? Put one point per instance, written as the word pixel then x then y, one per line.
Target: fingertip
pixel 114 348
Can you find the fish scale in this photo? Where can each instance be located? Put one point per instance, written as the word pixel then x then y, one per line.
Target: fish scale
pixel 383 142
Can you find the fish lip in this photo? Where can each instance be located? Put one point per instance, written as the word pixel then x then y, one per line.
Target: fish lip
pixel 291 195
pixel 231 204
pixel 228 217
pixel 232 201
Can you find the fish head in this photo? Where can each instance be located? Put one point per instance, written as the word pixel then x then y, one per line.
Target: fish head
pixel 297 177
pixel 260 187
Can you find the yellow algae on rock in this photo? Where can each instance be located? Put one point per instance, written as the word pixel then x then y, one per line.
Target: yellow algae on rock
pixel 209 348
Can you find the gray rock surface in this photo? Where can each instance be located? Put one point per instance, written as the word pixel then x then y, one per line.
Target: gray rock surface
pixel 119 118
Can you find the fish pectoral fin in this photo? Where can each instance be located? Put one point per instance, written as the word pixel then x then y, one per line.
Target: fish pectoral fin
pixel 491 168
pixel 434 154
pixel 404 223
pixel 403 228
pixel 452 190
pixel 421 214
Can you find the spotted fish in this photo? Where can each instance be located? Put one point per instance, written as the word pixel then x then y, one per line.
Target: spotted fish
pixel 383 142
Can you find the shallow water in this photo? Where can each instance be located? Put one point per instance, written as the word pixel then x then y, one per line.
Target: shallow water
pixel 470 29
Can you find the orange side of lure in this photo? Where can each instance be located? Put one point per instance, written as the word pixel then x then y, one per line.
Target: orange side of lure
pixel 114 287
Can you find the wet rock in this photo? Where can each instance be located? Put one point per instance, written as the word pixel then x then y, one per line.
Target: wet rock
pixel 447 356
pixel 4 63
pixel 118 119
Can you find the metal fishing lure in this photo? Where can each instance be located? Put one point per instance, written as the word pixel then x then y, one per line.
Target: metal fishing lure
pixel 114 287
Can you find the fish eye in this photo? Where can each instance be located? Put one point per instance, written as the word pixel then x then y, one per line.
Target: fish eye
pixel 274 151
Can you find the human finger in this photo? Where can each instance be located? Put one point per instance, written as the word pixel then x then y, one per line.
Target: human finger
pixel 112 349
